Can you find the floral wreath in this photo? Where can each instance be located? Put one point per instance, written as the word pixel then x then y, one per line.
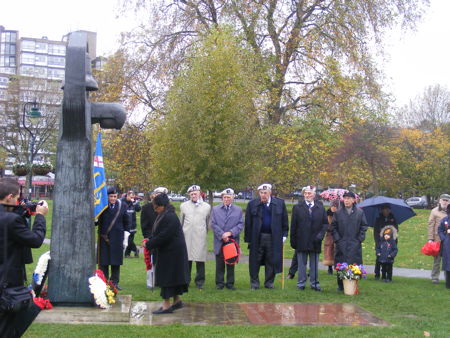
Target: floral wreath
pixel 39 276
pixel 104 292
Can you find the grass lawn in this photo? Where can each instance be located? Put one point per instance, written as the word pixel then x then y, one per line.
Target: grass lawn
pixel 412 306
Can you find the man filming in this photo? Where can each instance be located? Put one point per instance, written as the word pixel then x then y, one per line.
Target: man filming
pixel 17 236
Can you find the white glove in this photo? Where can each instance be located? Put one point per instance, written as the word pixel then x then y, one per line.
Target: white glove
pixel 126 234
pixel 284 239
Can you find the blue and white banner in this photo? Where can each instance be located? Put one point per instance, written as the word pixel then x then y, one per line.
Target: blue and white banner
pixel 100 191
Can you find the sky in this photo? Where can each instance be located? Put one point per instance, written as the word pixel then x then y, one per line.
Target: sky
pixel 414 60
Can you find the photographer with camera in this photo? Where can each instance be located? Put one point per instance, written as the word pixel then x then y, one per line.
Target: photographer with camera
pixel 14 237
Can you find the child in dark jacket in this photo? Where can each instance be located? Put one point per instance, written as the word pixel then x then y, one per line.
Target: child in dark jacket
pixel 386 252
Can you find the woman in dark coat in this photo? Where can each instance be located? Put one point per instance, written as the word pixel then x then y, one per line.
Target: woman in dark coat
pixel 171 270
pixel 444 235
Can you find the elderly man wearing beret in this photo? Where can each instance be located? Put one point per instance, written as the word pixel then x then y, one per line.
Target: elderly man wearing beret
pixel 113 223
pixel 226 223
pixel 308 226
pixel 266 229
pixel 194 215
pixel 349 226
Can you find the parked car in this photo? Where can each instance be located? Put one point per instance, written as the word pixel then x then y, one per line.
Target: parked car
pixel 417 202
pixel 177 198
pixel 217 194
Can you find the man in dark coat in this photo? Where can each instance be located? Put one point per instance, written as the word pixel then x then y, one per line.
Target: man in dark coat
pixel 133 207
pixel 349 228
pixel 113 222
pixel 266 229
pixel 308 226
pixel 384 219
pixel 18 237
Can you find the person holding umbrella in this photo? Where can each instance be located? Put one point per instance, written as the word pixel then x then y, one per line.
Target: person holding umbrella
pixel 386 218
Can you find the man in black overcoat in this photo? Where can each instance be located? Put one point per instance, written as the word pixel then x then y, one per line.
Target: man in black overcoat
pixel 148 214
pixel 308 226
pixel 18 237
pixel 133 207
pixel 349 228
pixel 266 229
pixel 113 222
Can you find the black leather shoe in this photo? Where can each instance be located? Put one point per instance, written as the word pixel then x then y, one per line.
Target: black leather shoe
pixel 219 287
pixel 340 290
pixel 270 287
pixel 377 277
pixel 232 288
pixel 160 311
pixel 254 288
pixel 290 276
pixel 177 305
pixel 317 288
pixel 200 287
pixel 301 288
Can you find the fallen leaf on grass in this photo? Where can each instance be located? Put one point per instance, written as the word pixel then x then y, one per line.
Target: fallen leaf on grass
pixel 426 334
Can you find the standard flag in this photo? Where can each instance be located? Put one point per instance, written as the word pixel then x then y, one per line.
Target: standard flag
pixel 100 192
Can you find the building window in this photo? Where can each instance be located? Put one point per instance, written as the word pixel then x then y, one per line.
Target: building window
pixel 28 58
pixel 41 47
pixel 57 49
pixel 56 61
pixel 28 45
pixel 27 70
pixel 41 59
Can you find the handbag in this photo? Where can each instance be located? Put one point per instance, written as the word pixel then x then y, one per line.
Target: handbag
pixel 231 252
pixel 14 298
pixel 431 248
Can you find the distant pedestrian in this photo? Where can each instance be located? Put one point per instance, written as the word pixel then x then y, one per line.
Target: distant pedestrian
pixel 226 223
pixel 194 215
pixel 349 228
pixel 172 272
pixel 308 226
pixel 444 235
pixel 384 219
pixel 328 243
pixel 112 223
pixel 133 206
pixel 266 229
pixel 436 215
pixel 386 251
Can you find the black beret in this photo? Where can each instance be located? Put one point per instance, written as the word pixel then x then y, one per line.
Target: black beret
pixel 349 194
pixel 112 190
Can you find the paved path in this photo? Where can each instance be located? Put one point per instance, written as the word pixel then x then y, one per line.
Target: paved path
pixel 402 272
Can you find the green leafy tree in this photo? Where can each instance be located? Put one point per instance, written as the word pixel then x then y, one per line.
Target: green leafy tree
pixel 300 43
pixel 207 134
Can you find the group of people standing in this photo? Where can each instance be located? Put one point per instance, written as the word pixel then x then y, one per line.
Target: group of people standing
pixel 176 243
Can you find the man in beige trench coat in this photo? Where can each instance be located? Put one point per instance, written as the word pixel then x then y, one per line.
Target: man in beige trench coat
pixel 194 216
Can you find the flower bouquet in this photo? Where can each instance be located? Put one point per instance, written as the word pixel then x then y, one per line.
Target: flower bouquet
pixel 104 291
pixel 350 274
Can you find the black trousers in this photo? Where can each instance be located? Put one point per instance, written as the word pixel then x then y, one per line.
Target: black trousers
pixel 131 246
pixel 294 265
pixel 265 256
pixel 377 268
pixel 6 324
pixel 220 272
pixel 447 279
pixel 386 271
pixel 115 272
pixel 199 274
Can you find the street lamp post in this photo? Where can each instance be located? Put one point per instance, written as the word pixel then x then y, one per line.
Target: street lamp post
pixel 33 115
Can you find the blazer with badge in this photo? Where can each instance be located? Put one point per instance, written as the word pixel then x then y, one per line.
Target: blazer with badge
pixel 307 231
pixel 19 236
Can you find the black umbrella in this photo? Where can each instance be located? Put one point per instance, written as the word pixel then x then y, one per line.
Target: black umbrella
pixel 372 208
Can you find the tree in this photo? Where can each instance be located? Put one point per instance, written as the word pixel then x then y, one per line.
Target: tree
pixel 423 161
pixel 14 139
pixel 365 154
pixel 296 41
pixel 428 111
pixel 207 135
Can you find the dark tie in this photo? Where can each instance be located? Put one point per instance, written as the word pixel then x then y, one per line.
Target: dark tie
pixel 112 206
pixel 310 208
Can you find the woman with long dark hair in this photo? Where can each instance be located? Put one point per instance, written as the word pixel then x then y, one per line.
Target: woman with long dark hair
pixel 171 270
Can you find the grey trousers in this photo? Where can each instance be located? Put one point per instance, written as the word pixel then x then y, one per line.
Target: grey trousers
pixel 436 268
pixel 302 258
